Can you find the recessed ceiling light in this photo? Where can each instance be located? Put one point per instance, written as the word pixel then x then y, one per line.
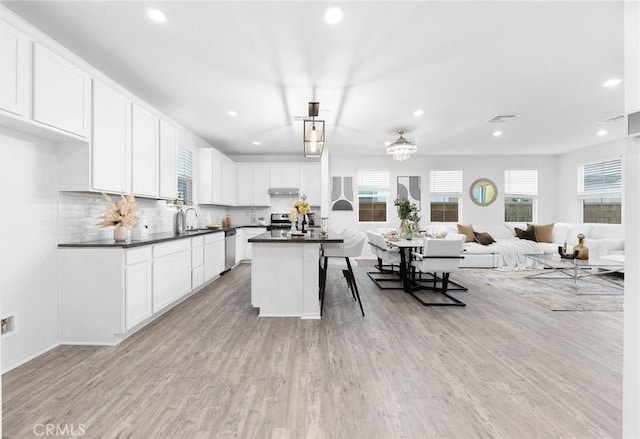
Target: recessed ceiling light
pixel 418 113
pixel 156 15
pixel 232 113
pixel 497 133
pixel 255 142
pixel 602 133
pixel 612 82
pixel 333 14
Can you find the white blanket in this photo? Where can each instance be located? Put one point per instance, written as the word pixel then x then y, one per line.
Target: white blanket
pixel 511 254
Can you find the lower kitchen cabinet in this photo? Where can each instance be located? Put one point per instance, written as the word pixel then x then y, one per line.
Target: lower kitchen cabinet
pixel 197 262
pixel 250 233
pixel 213 255
pixel 138 292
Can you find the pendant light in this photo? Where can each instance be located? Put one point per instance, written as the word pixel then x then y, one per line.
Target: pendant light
pixel 401 149
pixel 313 132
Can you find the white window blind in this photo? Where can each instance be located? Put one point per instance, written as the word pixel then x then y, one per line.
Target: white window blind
pixel 521 182
pixel 185 175
pixel 373 179
pixel 445 182
pixel 601 178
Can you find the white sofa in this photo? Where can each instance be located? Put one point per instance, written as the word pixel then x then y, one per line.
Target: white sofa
pixel 601 239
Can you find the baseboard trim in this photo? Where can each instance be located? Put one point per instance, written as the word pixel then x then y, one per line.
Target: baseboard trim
pixel 29 357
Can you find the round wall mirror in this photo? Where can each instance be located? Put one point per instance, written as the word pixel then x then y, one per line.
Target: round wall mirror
pixel 483 192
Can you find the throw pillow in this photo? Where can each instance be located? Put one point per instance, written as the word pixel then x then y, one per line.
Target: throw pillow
pixel 484 238
pixel 529 234
pixel 544 233
pixel 468 231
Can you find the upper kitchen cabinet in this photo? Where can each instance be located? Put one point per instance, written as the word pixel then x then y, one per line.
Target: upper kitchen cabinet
pixel 310 182
pixel 284 175
pixel 209 176
pixel 229 183
pixel 111 140
pixel 253 185
pixel 168 157
pixel 15 77
pixel 144 152
pixel 61 92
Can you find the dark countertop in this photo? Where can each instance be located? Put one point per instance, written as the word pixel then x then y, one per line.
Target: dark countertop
pixel 154 238
pixel 281 236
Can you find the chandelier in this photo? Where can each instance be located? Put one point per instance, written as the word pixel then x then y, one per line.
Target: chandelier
pixel 401 149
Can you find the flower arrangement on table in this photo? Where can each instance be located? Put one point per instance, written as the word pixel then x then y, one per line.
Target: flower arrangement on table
pixel 122 215
pixel 408 214
pixel 299 211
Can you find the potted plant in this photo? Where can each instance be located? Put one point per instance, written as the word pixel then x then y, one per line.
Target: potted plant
pixel 261 221
pixel 121 215
pixel 406 212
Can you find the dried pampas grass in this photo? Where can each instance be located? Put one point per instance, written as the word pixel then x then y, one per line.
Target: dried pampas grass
pixel 123 213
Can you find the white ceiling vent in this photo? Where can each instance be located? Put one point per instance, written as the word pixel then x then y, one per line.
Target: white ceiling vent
pixel 614 119
pixel 501 118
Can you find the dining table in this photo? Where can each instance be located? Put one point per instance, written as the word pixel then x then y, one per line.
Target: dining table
pixel 409 285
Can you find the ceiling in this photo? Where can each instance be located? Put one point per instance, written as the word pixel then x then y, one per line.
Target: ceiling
pixel 460 62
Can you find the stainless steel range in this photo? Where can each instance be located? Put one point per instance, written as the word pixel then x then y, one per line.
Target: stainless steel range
pixel 279 221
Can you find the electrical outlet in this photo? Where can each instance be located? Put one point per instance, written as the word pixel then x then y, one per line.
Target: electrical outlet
pixel 7 325
pixel 87 211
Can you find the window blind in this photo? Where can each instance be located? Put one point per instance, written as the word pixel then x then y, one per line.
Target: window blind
pixel 445 182
pixel 601 177
pixel 373 179
pixel 521 182
pixel 184 169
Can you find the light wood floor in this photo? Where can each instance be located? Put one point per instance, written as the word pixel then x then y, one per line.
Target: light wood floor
pixel 501 367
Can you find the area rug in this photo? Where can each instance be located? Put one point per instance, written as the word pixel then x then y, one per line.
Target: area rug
pixel 556 295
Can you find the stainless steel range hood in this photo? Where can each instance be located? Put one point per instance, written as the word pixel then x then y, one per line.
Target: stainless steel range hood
pixel 283 191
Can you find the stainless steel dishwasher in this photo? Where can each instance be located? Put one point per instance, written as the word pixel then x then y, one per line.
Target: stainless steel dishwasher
pixel 229 248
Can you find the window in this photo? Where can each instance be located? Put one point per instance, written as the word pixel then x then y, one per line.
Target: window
pixel 520 195
pixel 185 176
pixel 601 192
pixel 445 189
pixel 373 192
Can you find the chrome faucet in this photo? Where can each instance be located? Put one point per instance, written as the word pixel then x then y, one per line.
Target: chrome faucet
pixel 186 212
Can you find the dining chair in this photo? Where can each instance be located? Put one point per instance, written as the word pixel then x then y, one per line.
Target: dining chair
pixel 388 262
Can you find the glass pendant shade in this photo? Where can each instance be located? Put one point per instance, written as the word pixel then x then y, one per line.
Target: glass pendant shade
pixel 313 138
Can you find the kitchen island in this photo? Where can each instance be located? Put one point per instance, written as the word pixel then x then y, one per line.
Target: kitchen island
pixel 285 274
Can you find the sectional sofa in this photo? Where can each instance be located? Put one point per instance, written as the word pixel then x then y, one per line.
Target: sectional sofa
pixel 601 239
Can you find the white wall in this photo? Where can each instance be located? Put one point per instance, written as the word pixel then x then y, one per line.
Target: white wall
pixel 29 277
pixel 491 167
pixel 568 207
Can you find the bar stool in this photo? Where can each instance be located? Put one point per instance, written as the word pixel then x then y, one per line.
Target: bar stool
pixel 352 247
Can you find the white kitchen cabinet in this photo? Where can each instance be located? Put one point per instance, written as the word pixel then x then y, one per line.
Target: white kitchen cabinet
pixel 216 176
pixel 168 158
pixel 181 274
pixel 284 175
pixel 15 77
pixel 209 176
pixel 138 281
pixel 250 233
pixel 197 261
pixel 111 140
pixel 213 255
pixel 229 183
pixel 253 185
pixel 162 282
pixel 310 182
pixel 61 92
pixel 241 244
pixel 144 152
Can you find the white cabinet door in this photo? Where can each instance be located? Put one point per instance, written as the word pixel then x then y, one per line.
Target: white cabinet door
pixel 137 293
pixel 15 51
pixel 162 282
pixel 218 254
pixel 229 183
pixel 310 183
pixel 182 273
pixel 210 262
pixel 61 92
pixel 216 178
pixel 245 185
pixel 144 152
pixel 205 175
pixel 284 175
pixel 111 141
pixel 241 244
pixel 261 186
pixel 168 157
pixel 197 277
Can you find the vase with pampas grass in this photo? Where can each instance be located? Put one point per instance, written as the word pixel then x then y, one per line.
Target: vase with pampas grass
pixel 121 215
